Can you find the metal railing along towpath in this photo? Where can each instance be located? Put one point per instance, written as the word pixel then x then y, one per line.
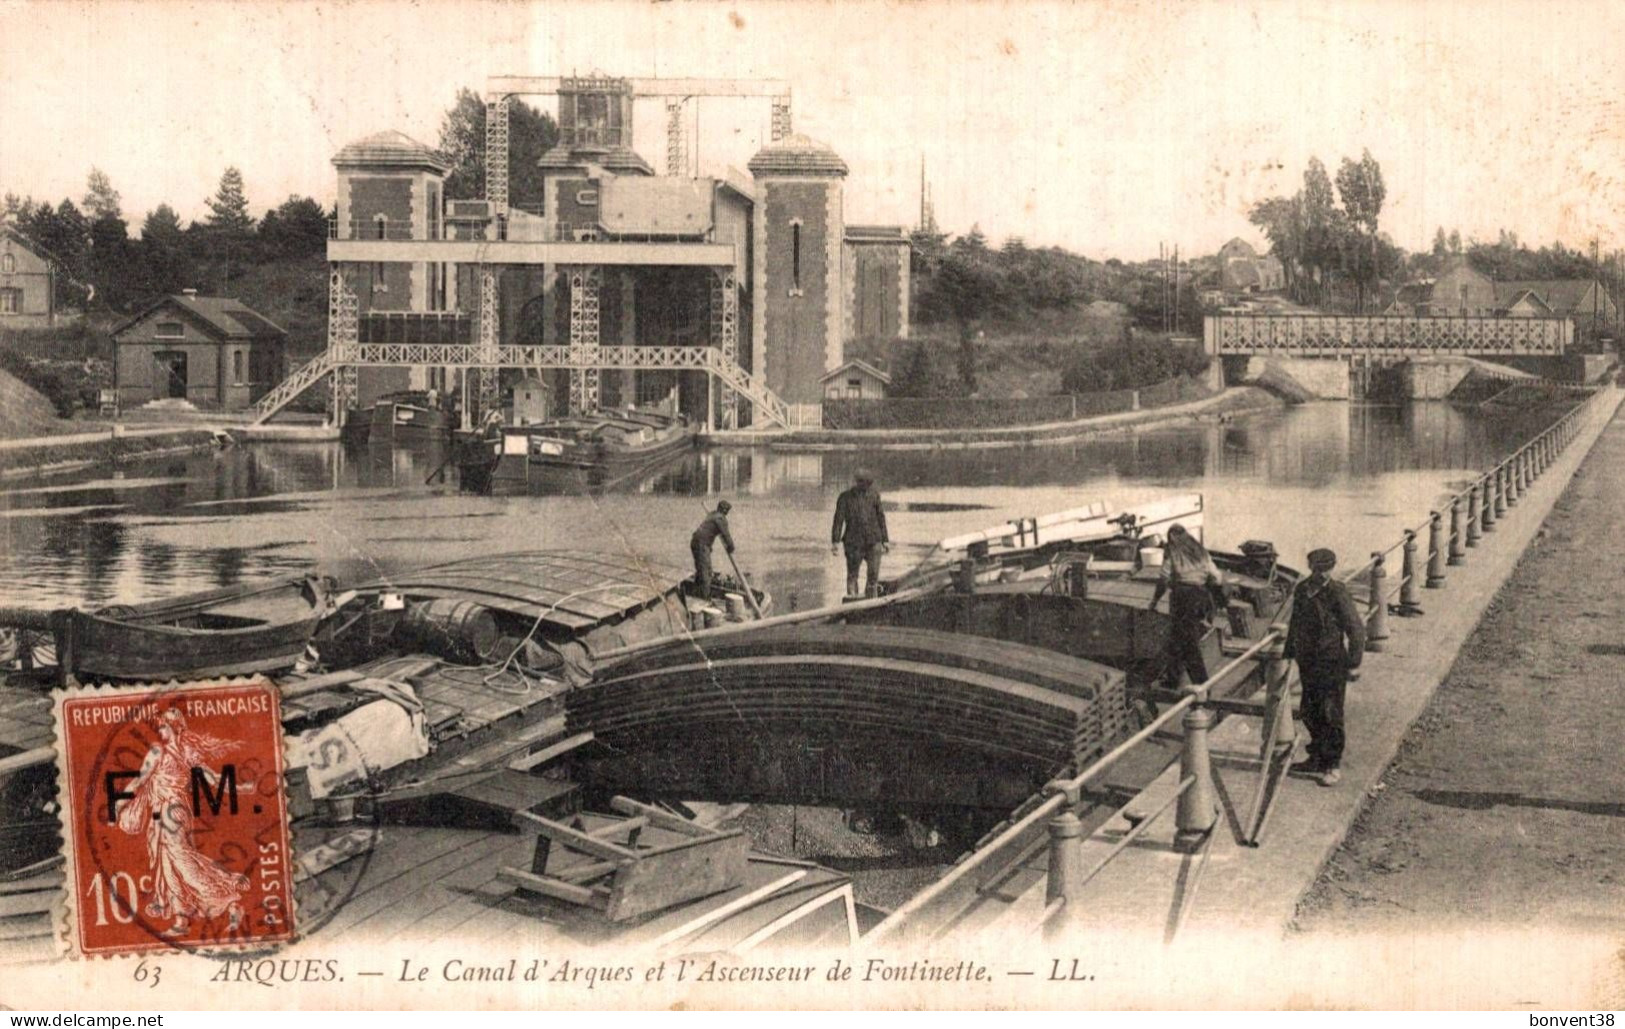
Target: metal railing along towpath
pixel 1469 514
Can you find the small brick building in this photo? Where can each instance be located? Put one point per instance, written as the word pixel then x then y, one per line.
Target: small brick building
pixel 213 352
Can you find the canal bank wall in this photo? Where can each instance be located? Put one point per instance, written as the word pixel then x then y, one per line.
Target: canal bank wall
pixel 51 455
pixel 1240 894
pixel 1235 400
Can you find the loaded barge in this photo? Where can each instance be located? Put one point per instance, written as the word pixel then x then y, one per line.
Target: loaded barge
pixel 565 735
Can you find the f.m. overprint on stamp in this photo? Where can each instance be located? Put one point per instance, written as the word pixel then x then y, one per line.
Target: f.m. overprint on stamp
pixel 174 818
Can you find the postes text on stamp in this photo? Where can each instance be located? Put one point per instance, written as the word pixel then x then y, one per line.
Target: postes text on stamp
pixel 174 817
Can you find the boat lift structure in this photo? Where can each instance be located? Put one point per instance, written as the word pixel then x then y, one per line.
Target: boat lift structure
pixel 481 359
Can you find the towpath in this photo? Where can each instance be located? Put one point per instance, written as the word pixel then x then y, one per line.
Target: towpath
pixel 1506 804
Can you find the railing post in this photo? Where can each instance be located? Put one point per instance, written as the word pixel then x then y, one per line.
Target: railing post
pixel 1524 475
pixel 1377 620
pixel 1278 691
pixel 1408 604
pixel 1513 490
pixel 1500 491
pixel 1458 544
pixel 1474 517
pixel 1198 805
pixel 1436 547
pixel 1489 502
pixel 1065 860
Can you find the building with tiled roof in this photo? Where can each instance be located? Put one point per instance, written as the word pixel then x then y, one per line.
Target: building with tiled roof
pixel 390 149
pixel 797 155
pixel 1579 299
pixel 212 352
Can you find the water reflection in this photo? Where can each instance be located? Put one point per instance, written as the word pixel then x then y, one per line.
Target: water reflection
pixel 1346 475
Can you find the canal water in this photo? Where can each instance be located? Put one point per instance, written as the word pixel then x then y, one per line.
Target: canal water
pixel 1348 476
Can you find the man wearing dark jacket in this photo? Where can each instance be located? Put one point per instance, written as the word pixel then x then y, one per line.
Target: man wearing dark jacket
pixel 715 524
pixel 1326 636
pixel 860 526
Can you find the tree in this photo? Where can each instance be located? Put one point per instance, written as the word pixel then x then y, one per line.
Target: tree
pixel 1441 244
pixel 531 133
pixel 112 264
pixel 17 208
pixel 1320 224
pixel 1360 185
pixel 162 227
pixel 295 228
pixel 1281 221
pixel 63 232
pixel 916 376
pixel 1455 241
pixel 101 199
pixel 164 266
pixel 228 208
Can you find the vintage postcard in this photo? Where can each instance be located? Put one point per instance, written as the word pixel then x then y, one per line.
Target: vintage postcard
pixel 603 504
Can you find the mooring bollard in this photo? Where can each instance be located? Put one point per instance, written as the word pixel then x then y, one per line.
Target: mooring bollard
pixel 1377 618
pixel 1435 551
pixel 1474 518
pixel 1408 604
pixel 1278 691
pixel 1458 544
pixel 1065 859
pixel 1198 805
pixel 1489 502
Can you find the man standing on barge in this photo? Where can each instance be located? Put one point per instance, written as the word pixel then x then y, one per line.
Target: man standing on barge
pixel 715 524
pixel 1326 636
pixel 860 526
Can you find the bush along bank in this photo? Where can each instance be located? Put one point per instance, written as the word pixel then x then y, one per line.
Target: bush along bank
pixel 52 456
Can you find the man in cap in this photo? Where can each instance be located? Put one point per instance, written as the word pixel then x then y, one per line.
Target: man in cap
pixel 715 524
pixel 1326 636
pixel 860 526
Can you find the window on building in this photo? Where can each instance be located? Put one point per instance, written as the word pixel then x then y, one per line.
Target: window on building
pixel 854 387
pixel 11 301
pixel 8 263
pixel 434 212
pixel 795 255
pixel 237 367
pixel 378 283
pixel 380 225
pixel 169 330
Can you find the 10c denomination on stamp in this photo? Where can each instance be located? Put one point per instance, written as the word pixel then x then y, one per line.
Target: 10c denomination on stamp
pixel 174 817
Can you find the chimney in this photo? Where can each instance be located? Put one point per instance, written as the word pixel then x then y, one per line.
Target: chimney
pixel 189 293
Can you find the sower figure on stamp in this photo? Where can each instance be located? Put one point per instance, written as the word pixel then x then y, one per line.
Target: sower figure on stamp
pixel 860 527
pixel 715 524
pixel 1326 636
pixel 1192 579
pixel 186 883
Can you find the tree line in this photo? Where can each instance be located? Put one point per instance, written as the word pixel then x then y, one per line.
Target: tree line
pixel 104 267
pixel 107 265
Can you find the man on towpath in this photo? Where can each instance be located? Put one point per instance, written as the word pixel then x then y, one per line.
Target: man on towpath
pixel 1326 636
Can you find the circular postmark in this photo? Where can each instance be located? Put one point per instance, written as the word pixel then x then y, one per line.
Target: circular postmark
pixel 188 832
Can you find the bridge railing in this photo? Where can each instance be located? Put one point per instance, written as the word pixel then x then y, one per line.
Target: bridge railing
pixel 1322 334
pixel 1449 530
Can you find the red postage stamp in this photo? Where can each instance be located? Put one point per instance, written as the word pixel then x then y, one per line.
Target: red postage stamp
pixel 174 816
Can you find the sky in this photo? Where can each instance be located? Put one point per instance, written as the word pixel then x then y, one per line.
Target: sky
pixel 1107 127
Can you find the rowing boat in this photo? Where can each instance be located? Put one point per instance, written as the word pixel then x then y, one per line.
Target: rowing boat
pixel 259 627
